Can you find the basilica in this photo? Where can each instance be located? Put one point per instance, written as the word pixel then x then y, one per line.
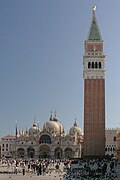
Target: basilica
pixel 50 142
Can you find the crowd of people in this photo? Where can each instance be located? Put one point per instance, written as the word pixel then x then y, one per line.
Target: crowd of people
pixel 87 169
pixel 29 166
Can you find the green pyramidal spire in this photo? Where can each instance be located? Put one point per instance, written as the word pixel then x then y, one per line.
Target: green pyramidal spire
pixel 94 33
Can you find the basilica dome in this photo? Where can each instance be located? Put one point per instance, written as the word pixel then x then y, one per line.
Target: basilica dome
pixel 61 129
pixel 75 130
pixel 53 125
pixel 34 129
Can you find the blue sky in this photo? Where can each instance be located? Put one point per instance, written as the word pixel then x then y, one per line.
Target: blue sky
pixel 41 60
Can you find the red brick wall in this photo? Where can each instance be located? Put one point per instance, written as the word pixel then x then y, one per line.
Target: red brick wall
pixel 94 117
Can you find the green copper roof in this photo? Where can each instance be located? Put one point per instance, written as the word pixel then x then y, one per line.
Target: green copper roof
pixel 94 33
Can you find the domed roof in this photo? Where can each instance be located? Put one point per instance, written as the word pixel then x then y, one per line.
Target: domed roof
pixel 53 125
pixel 75 129
pixel 61 129
pixel 34 129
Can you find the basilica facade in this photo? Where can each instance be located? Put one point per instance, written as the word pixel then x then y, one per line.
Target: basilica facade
pixel 50 142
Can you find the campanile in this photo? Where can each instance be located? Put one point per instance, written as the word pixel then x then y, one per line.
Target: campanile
pixel 94 92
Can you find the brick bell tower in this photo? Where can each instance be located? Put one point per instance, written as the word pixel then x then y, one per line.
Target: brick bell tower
pixel 94 92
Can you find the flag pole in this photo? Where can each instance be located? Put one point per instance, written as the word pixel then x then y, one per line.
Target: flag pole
pixel 15 138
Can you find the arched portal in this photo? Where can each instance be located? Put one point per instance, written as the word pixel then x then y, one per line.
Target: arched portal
pixel 30 152
pixel 45 138
pixel 44 151
pixel 68 153
pixel 20 153
pixel 58 153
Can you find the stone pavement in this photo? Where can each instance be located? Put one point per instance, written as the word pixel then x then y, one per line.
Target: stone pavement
pixel 53 176
pixel 50 176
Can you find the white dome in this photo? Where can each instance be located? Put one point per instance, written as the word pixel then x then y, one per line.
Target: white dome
pixel 61 129
pixel 52 126
pixel 34 129
pixel 75 130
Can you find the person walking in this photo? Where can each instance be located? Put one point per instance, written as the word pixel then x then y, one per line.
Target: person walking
pixel 23 170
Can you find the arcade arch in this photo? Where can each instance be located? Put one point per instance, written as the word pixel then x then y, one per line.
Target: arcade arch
pixel 20 153
pixel 30 152
pixel 68 153
pixel 44 151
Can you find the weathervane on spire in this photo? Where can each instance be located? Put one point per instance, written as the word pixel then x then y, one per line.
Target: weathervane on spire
pixel 94 9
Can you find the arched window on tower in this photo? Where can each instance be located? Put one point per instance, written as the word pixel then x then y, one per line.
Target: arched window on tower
pixel 89 65
pixel 96 65
pixel 100 65
pixel 92 64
